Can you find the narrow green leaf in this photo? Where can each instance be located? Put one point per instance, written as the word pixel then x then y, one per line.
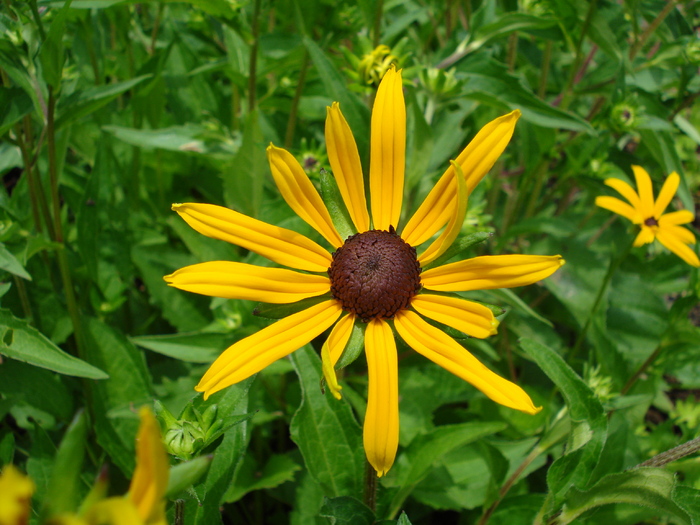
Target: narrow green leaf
pixel 245 176
pixel 278 469
pixel 64 487
pixel 25 343
pixel 326 432
pixel 9 263
pixel 193 347
pixel 186 474
pixel 14 104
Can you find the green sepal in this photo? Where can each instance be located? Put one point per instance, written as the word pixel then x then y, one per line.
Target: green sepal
pixel 336 206
pixel 280 311
pixel 355 345
pixel 186 474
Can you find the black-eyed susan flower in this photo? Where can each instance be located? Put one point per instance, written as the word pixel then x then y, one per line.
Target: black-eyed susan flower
pixel 144 504
pixel 649 214
pixel 374 277
pixel 16 491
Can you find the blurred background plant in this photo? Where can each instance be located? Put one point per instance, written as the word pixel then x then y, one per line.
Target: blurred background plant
pixel 112 110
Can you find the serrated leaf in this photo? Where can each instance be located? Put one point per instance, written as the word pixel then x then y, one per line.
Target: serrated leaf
pixel 326 432
pixel 25 343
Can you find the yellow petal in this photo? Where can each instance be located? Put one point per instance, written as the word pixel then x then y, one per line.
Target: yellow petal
pixel 625 190
pixel 668 190
pixel 476 160
pixel 280 245
pixel 16 491
pixel 381 428
pixel 332 350
pixel 645 236
pixel 250 355
pixel 150 480
pixel 345 163
pixel 440 348
pixel 619 207
pixel 682 234
pixel 675 244
pixel 387 151
pixel 676 218
pixel 646 192
pixel 491 271
pixel 113 511
pixel 300 194
pixel 454 226
pixel 234 280
pixel 466 316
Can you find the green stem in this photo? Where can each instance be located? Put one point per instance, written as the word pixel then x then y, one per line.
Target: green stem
pixel 651 28
pixel 512 50
pixel 672 455
pixel 292 122
pixel 546 60
pixel 252 71
pixel 643 368
pixel 37 19
pixel 573 73
pixel 614 265
pixel 370 487
pixel 156 27
pixel 24 298
pixel 377 29
pixel 64 267
pixel 540 172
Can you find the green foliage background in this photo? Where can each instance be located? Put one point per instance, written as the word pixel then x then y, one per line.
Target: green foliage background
pixel 112 110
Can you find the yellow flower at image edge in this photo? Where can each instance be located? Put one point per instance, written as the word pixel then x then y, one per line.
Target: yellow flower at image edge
pixel 16 491
pixel 650 216
pixel 375 276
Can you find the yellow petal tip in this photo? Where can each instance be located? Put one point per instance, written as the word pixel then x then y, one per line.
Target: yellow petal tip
pixel 175 206
pixel 562 261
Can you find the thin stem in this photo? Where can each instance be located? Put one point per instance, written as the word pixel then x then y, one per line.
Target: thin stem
pixel 643 368
pixel 614 265
pixel 252 72
pixel 156 27
pixel 37 19
pixel 512 50
pixel 370 487
pixel 546 61
pixel 651 28
pixel 672 455
pixel 565 97
pixel 292 122
pixel 377 28
pixel 540 172
pixel 33 197
pixel 24 299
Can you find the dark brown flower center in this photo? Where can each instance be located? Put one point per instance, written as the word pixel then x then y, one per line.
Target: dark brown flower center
pixel 375 274
pixel 651 221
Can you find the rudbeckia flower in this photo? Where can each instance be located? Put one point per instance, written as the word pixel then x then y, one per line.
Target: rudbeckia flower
pixel 374 277
pixel 649 214
pixel 16 491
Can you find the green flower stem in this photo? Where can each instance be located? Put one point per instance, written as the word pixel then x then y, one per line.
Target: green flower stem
pixel 37 19
pixel 574 72
pixel 632 380
pixel 546 60
pixel 512 50
pixel 156 27
pixel 672 455
pixel 539 176
pixel 614 265
pixel 24 298
pixel 292 122
pixel 651 28
pixel 377 29
pixel 69 291
pixel 369 495
pixel 252 71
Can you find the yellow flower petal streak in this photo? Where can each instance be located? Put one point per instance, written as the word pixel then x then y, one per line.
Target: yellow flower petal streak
pixel 16 491
pixel 381 427
pixel 387 152
pixel 150 480
pixel 440 348
pixel 234 280
pixel 676 218
pixel 475 160
pixel 300 194
pixel 621 208
pixel 675 245
pixel 332 350
pixel 280 245
pixel 466 316
pixel 625 190
pixel 250 355
pixel 112 511
pixel 668 190
pixel 646 192
pixel 645 236
pixel 491 271
pixel 345 163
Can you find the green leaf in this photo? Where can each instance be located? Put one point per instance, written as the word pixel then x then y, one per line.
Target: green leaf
pixel 64 487
pixel 186 474
pixel 509 297
pixel 82 103
pixel 9 263
pixel 25 343
pixel 346 510
pixel 335 84
pixel 278 469
pixel 193 347
pixel 336 207
pixel 114 400
pixel 426 449
pixel 326 432
pixel 245 176
pixel 51 53
pixel 14 104
pixel 688 499
pixel 646 487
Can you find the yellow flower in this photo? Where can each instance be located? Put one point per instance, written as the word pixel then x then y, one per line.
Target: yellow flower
pixel 373 277
pixel 16 491
pixel 144 504
pixel 649 215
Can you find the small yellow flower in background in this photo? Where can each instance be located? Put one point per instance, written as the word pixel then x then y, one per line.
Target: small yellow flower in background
pixel 16 491
pixel 649 215
pixel 144 504
pixel 374 277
